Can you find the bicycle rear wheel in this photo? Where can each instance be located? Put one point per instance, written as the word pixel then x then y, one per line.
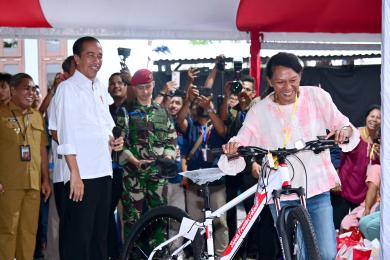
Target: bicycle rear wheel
pixel 301 235
pixel 153 228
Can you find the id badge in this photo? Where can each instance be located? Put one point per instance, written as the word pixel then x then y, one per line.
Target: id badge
pixel 25 153
pixel 204 153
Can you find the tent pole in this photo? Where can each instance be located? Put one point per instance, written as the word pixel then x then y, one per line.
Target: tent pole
pixel 385 129
pixel 255 60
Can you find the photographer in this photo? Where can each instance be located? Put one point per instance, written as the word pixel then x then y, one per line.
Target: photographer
pixel 204 130
pixel 117 87
pixel 233 118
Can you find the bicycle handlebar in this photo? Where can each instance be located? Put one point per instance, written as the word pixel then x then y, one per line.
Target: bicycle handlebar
pixel 316 146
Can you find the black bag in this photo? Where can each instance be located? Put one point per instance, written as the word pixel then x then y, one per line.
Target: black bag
pixel 166 168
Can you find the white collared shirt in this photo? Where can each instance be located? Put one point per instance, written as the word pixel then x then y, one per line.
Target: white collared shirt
pixel 84 125
pixel 58 167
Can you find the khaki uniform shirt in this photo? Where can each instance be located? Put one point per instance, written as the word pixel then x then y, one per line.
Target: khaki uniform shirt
pixel 14 173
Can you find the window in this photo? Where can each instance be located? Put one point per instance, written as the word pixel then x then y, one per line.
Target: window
pixel 11 68
pixel 51 71
pixel 52 46
pixel 10 46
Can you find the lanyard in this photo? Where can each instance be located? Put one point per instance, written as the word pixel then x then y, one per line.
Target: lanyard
pixel 242 116
pixel 205 131
pixel 25 123
pixel 287 130
pixel 372 152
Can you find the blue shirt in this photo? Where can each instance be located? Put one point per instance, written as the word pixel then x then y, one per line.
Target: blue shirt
pixel 211 139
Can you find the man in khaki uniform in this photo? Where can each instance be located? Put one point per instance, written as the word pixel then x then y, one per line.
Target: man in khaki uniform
pixel 23 157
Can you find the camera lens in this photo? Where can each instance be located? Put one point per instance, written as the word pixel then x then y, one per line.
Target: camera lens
pixel 236 87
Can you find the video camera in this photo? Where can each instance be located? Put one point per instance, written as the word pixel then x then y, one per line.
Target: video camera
pixel 220 62
pixel 236 86
pixel 123 53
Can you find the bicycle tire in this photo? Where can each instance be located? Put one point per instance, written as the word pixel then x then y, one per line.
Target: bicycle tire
pixel 139 244
pixel 282 233
pixel 298 220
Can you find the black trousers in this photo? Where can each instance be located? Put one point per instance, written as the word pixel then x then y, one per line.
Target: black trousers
pixel 235 184
pixel 341 208
pixel 263 232
pixel 85 223
pixel 114 237
pixel 59 197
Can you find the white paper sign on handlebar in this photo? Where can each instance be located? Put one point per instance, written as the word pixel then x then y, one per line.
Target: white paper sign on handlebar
pixel 231 167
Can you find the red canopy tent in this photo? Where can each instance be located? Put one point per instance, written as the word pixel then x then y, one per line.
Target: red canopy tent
pixel 322 16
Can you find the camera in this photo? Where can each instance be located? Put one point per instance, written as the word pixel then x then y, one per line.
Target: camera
pixel 123 53
pixel 236 87
pixel 220 63
pixel 203 91
pixel 237 65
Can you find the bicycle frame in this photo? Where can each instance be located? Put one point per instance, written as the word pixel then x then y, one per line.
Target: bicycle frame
pixel 263 195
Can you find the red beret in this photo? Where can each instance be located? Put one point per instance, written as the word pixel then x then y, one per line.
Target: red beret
pixel 142 76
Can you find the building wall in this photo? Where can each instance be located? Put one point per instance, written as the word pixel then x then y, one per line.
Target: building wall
pixel 41 58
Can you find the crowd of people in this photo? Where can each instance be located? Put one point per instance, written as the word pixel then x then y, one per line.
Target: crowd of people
pixel 115 152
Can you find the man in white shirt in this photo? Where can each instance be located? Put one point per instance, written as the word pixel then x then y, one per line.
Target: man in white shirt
pixel 84 127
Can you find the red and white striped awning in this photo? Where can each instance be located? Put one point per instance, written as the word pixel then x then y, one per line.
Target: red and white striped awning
pixel 289 20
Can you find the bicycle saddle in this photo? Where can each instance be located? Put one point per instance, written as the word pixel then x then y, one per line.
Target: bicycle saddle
pixel 202 176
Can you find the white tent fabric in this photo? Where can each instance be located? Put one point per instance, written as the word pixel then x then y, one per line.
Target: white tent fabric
pixel 169 19
pixel 385 124
pixel 133 19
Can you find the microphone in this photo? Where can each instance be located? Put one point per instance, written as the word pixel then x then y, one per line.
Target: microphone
pixel 116 132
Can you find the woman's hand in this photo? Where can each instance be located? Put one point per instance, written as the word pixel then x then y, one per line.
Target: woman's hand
pixel 341 135
pixel 255 171
pixel 230 148
pixel 366 212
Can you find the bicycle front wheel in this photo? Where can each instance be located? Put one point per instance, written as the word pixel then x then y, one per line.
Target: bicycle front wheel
pixel 153 228
pixel 301 236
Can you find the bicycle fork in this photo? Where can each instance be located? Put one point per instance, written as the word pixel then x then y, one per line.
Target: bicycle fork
pixel 208 223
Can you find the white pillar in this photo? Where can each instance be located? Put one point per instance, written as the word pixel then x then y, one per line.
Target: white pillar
pixel 31 59
pixel 385 140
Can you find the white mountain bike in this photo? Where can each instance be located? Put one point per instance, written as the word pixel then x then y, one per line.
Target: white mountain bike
pixel 168 232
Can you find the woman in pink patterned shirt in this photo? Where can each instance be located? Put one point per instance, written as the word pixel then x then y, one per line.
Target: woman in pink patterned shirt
pixel 290 113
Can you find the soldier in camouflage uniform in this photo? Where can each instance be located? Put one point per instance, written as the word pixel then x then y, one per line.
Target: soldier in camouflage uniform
pixel 150 134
